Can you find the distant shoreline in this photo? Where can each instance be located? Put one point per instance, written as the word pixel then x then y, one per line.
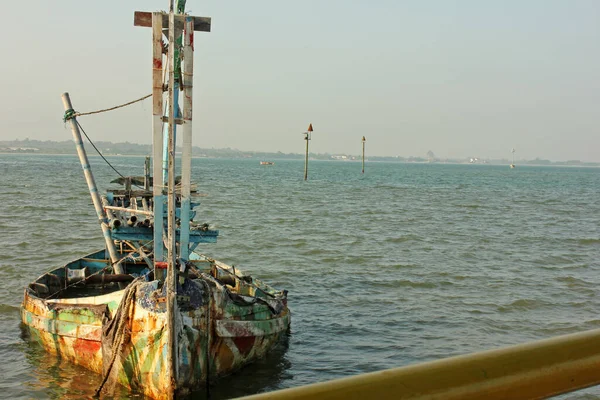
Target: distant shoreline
pixel 375 159
pixel 127 149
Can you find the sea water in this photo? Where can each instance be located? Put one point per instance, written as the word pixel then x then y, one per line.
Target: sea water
pixel 404 264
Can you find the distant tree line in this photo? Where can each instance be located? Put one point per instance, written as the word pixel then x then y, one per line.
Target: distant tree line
pixel 126 148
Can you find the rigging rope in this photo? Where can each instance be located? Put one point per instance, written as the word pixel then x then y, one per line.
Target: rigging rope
pixel 100 154
pixel 72 113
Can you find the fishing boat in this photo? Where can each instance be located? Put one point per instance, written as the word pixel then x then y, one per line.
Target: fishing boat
pixel 149 311
pixel 267 163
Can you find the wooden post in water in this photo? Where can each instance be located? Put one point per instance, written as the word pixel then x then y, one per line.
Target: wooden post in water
pixel 89 178
pixel 307 137
pixel 363 154
pixel 147 174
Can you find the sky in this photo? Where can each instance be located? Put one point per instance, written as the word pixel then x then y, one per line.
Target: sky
pixel 462 79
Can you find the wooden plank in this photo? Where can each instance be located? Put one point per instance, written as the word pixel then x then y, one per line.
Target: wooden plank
pixel 135 193
pixel 186 147
pixel 144 234
pixel 172 360
pixel 177 121
pixel 157 132
pixel 142 18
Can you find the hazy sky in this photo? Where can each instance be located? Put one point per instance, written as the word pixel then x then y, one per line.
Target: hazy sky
pixel 460 78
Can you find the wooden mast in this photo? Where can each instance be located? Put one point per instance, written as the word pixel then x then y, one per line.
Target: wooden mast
pixel 187 84
pixel 157 135
pixel 175 20
pixel 171 280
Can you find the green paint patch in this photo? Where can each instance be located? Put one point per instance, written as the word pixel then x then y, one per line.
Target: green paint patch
pixel 112 305
pixel 79 316
pixel 149 347
pixel 239 311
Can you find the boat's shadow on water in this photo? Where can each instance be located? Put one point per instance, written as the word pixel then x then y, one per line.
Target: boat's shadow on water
pixel 264 375
pixel 56 378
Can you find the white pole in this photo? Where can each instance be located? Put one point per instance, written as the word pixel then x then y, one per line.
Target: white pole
pixel 130 210
pixel 157 135
pixel 186 156
pixel 89 178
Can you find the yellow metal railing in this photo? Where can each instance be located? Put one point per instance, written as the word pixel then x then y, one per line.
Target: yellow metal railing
pixel 533 370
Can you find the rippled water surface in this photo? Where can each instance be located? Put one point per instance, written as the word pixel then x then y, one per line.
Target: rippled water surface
pixel 406 263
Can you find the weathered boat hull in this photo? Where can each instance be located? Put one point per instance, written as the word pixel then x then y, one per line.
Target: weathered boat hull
pixel 71 331
pixel 124 335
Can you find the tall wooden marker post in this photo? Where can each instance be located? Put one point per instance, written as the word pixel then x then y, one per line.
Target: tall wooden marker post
pixel 307 137
pixel 363 154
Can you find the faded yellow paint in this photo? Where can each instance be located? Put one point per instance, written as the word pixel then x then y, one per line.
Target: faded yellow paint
pixel 225 357
pixel 74 350
pixel 533 370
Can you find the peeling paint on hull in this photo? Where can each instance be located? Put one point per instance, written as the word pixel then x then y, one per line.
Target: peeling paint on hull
pixel 226 333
